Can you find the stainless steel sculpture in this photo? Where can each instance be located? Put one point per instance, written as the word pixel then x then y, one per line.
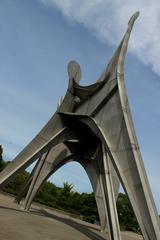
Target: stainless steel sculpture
pixel 93 125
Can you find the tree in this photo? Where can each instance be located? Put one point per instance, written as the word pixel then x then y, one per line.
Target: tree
pixel 66 190
pixel 126 214
pixel 1 152
pixel 3 163
pixel 15 186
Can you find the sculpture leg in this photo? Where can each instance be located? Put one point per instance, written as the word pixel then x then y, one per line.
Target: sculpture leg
pixel 113 222
pixel 98 192
pixel 46 167
pixel 135 197
pixel 34 178
pixel 115 180
pixel 137 188
pixel 94 173
pixel 25 188
pixel 100 174
pixel 126 159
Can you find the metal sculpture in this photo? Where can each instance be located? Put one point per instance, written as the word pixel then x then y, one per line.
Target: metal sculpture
pixel 93 126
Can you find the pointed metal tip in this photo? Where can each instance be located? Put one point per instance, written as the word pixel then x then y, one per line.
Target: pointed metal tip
pixel 137 14
pixel 133 18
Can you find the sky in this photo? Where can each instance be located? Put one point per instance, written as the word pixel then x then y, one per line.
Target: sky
pixel 37 40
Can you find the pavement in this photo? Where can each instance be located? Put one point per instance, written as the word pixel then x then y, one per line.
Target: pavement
pixel 43 223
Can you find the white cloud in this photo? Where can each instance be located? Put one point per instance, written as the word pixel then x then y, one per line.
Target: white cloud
pixel 108 18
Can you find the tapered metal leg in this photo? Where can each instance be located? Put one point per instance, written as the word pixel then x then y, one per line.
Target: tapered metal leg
pixel 25 188
pixel 114 229
pixel 94 170
pixel 98 190
pixel 47 166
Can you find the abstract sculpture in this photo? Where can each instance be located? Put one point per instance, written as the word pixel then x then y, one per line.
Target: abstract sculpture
pixel 93 125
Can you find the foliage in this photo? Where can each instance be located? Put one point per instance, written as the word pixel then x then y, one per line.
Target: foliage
pixel 3 164
pixel 1 152
pixel 15 186
pixel 126 215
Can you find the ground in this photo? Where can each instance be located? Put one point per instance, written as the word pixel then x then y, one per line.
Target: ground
pixel 43 223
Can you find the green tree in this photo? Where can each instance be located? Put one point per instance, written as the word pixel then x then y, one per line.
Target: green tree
pixel 126 215
pixel 15 186
pixel 67 188
pixel 3 163
pixel 1 152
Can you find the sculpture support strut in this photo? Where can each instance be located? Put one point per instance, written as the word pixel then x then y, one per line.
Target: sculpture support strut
pixel 93 126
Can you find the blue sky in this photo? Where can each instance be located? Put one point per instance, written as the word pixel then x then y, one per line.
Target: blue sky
pixel 37 40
